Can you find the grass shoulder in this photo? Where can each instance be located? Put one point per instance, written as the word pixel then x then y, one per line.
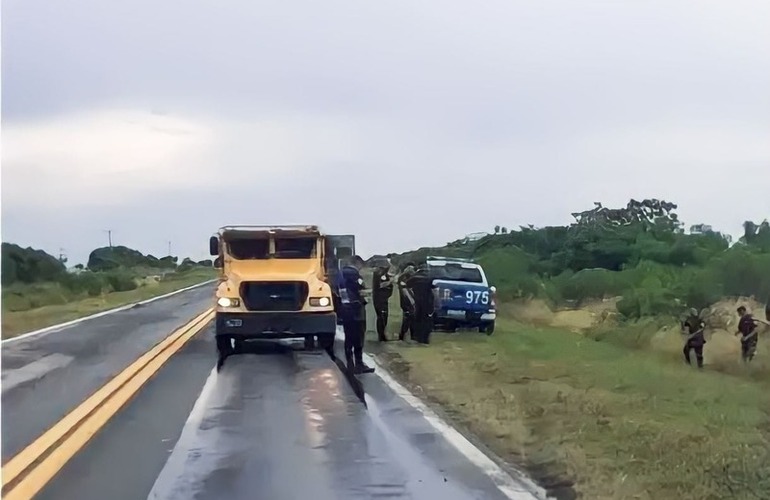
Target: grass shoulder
pixel 596 419
pixel 21 321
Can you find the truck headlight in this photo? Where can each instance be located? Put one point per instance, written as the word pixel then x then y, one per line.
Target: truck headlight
pixel 320 301
pixel 228 302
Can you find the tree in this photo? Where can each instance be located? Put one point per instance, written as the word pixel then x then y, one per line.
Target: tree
pixel 497 229
pixel 28 265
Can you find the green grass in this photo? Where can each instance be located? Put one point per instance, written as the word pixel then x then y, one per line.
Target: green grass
pixel 18 322
pixel 598 418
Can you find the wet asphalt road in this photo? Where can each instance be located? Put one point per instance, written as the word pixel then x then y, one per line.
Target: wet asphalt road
pixel 46 376
pixel 276 423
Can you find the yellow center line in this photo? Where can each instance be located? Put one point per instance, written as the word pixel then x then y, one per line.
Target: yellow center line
pixel 39 462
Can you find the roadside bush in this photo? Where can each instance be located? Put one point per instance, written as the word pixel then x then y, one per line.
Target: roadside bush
pixel 595 284
pixel 510 270
pixel 25 297
pixel 120 281
pixel 649 299
pixel 88 283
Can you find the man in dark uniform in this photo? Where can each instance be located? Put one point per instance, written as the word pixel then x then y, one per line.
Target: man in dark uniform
pixel 747 328
pixel 693 327
pixel 406 299
pixel 382 289
pixel 352 309
pixel 422 288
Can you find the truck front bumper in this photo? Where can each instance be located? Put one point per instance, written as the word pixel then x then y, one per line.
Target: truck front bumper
pixel 275 325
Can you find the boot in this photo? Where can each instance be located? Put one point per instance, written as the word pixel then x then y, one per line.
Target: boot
pixel 362 368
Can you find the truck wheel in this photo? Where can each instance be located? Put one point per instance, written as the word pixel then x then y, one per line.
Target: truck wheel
pixel 224 349
pixel 488 328
pixel 326 341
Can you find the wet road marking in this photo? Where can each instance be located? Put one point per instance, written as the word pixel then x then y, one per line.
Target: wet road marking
pixel 35 370
pixel 173 468
pixel 520 488
pixel 28 472
pixel 62 326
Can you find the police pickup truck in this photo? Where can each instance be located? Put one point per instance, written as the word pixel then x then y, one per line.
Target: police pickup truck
pixel 465 298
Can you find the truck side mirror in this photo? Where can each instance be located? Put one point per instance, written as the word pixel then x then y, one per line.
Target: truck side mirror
pixel 218 263
pixel 214 245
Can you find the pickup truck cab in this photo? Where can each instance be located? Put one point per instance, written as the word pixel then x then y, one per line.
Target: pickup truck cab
pixel 465 298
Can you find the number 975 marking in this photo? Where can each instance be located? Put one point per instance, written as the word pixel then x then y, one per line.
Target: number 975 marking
pixel 476 297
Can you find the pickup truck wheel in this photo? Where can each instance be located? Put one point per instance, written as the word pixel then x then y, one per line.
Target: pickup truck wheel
pixel 488 328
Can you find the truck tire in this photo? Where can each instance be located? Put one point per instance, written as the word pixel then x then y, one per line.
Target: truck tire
pixel 326 341
pixel 487 327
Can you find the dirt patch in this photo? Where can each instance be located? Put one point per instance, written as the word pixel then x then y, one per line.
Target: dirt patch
pixel 537 312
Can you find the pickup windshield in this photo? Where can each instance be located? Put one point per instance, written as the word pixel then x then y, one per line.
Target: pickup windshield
pixel 456 272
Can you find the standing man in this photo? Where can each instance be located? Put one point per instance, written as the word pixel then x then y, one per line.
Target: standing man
pixel 422 288
pixel 406 299
pixel 693 327
pixel 747 328
pixel 382 289
pixel 353 312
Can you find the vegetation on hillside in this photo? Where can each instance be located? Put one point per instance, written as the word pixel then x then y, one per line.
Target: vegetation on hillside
pixel 604 408
pixel 32 278
pixel 640 252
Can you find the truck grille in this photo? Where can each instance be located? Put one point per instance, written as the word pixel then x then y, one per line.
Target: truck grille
pixel 274 295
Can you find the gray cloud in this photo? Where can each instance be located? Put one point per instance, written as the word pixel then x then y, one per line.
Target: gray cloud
pixel 164 121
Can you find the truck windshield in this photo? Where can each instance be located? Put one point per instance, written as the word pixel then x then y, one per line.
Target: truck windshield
pixel 248 249
pixel 295 248
pixel 455 272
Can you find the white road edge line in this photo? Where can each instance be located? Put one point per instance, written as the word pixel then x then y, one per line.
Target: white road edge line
pixel 62 326
pixel 521 488
pixel 510 487
pixel 171 473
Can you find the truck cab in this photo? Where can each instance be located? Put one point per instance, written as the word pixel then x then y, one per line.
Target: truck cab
pixel 465 298
pixel 276 283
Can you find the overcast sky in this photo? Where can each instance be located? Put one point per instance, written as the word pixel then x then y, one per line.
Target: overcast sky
pixel 165 120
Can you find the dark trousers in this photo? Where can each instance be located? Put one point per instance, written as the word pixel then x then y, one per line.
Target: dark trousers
pixel 406 324
pixel 748 348
pixel 354 339
pixel 698 348
pixel 422 327
pixel 382 309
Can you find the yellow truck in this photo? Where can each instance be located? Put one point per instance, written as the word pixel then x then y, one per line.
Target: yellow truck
pixel 276 282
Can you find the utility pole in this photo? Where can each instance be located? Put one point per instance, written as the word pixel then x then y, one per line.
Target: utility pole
pixel 169 249
pixel 109 236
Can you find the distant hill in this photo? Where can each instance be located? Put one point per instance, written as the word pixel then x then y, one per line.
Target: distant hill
pixel 107 258
pixel 28 265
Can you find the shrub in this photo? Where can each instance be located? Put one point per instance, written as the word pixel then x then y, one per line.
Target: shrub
pixel 120 281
